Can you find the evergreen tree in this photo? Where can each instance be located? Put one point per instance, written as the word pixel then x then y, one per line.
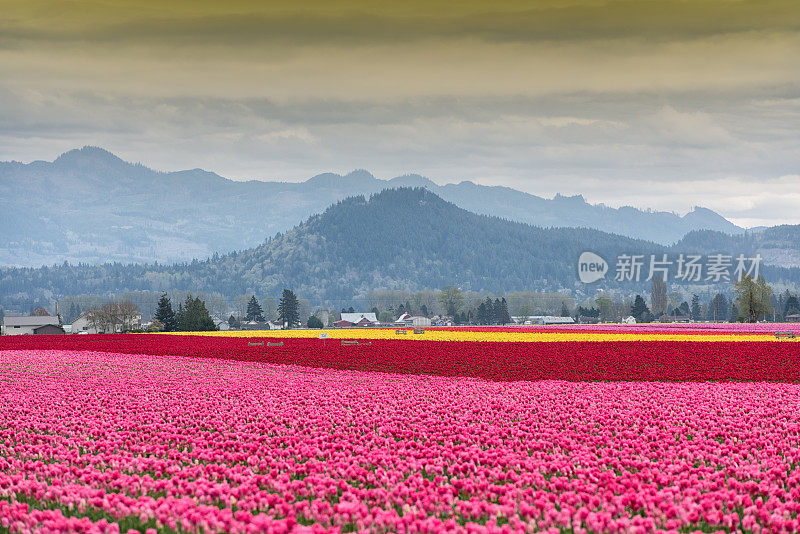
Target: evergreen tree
pixel 314 322
pixel 695 309
pixel 254 311
pixel 482 315
pixel 589 312
pixel 165 314
pixel 489 311
pixel 735 315
pixel 288 309
pixel 640 311
pixel 180 319
pixel 424 310
pixel 791 306
pixel 564 310
pixel 194 316
pixel 497 312
pixel 232 322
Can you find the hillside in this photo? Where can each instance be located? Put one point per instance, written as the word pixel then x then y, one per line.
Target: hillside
pixel 90 206
pixel 403 238
pixel 397 239
pixel 778 245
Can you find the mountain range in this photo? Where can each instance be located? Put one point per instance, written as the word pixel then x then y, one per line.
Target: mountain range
pixel 406 238
pixel 91 206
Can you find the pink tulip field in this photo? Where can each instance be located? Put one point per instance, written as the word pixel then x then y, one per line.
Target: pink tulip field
pixel 106 442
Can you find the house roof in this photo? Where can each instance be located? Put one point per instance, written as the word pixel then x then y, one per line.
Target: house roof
pixel 84 316
pixel 30 320
pixel 48 327
pixel 356 317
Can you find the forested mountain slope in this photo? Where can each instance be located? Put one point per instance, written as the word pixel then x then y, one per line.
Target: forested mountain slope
pixel 397 239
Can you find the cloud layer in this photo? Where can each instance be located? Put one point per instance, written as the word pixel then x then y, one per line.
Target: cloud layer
pixel 662 104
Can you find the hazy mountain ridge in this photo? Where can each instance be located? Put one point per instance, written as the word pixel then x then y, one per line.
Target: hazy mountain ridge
pixel 91 206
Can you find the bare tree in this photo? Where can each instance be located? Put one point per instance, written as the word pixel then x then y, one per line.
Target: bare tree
pixel 387 299
pixel 451 299
pixel 303 307
pixel 129 315
pixel 95 319
pixel 269 306
pixel 240 305
pixel 427 298
pixel 753 298
pixel 216 305
pixel 115 317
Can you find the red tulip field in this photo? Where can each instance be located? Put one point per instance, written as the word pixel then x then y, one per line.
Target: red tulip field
pixel 450 430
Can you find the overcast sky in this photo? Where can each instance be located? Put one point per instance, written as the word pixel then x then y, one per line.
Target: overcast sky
pixel 657 104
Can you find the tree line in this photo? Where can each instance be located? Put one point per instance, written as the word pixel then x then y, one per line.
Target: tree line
pixel 754 300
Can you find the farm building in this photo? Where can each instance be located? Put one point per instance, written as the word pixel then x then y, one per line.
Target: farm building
pixel 412 320
pixel 83 325
pixel 28 324
pixel 357 319
pixel 49 330
pixel 542 319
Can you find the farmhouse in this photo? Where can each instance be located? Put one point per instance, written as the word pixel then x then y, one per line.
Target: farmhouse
pixel 28 324
pixel 82 325
pixel 357 319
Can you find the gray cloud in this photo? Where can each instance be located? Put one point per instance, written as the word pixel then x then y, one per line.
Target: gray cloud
pixel 251 23
pixel 637 151
pixel 659 104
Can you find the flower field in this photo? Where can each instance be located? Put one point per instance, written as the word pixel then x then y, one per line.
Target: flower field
pixel 579 429
pixel 573 354
pixel 96 441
